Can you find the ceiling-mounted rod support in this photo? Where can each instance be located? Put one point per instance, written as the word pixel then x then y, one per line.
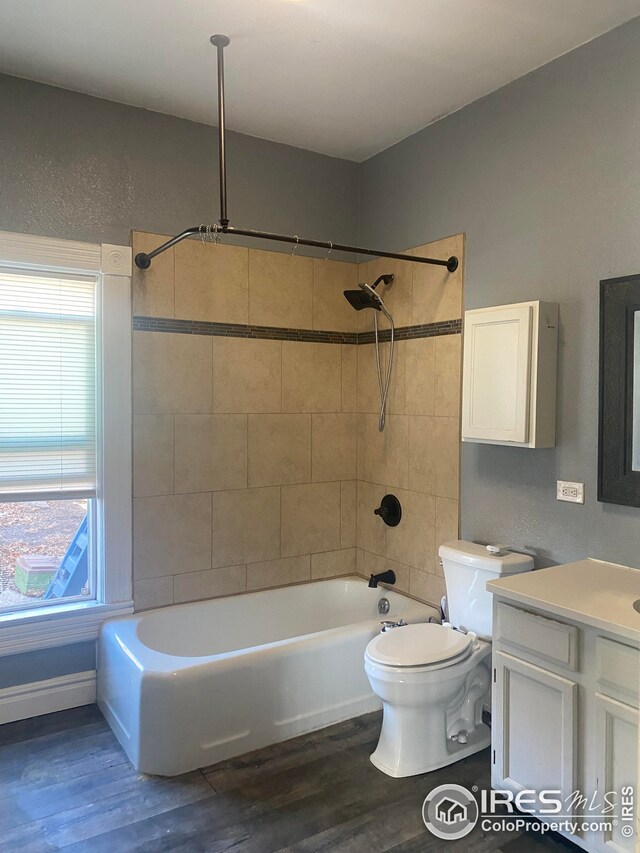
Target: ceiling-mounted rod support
pixel 220 42
pixel 143 259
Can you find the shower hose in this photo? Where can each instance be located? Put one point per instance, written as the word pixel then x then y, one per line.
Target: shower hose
pixel 383 384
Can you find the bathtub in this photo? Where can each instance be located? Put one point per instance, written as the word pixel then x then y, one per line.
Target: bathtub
pixel 189 685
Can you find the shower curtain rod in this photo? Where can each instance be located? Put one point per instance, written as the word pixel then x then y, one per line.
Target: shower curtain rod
pixel 143 259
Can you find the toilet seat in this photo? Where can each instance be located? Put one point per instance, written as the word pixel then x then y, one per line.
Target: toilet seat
pixel 423 645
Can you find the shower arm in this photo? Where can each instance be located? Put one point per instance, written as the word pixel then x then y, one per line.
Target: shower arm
pixel 143 259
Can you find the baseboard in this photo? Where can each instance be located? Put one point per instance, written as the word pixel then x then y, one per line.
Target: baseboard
pixel 45 697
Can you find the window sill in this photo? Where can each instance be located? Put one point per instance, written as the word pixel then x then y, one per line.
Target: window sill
pixel 45 628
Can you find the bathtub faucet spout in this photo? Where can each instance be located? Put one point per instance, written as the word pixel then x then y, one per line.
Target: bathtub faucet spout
pixel 384 577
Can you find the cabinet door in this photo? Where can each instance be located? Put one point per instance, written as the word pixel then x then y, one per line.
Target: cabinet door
pixel 496 374
pixel 533 729
pixel 616 750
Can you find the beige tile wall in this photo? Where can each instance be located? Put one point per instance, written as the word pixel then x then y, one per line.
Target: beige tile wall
pixel 244 450
pixel 417 456
pixel 258 463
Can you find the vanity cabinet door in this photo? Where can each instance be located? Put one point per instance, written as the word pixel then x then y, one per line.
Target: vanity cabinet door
pixel 616 748
pixel 533 729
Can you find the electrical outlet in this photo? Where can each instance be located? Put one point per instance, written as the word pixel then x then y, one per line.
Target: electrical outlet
pixel 571 492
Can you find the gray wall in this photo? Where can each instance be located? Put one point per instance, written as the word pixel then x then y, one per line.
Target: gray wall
pixel 544 178
pixel 81 168
pixel 47 663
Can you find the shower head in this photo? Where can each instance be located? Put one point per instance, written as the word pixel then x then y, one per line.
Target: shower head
pixel 360 299
pixel 367 297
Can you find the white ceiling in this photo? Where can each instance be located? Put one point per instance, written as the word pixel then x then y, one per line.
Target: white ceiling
pixel 344 77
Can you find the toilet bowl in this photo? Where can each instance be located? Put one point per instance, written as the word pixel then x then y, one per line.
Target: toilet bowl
pixel 433 679
pixel 432 709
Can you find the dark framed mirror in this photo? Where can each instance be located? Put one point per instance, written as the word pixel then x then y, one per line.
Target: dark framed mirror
pixel 619 423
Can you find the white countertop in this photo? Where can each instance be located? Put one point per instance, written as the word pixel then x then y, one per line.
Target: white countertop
pixel 589 591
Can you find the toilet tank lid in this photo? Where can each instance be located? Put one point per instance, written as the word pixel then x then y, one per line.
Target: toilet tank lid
pixel 477 556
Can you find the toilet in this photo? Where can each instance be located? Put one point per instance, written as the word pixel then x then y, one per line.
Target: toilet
pixel 433 679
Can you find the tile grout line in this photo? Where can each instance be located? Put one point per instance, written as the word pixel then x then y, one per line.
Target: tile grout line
pixel 342 377
pixel 280 491
pixel 248 285
pixel 312 473
pixel 281 409
pixel 173 424
pixel 246 424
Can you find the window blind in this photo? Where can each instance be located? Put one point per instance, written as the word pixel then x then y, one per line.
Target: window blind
pixel 47 385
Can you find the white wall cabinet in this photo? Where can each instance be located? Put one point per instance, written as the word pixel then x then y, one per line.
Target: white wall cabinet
pixel 509 375
pixel 565 721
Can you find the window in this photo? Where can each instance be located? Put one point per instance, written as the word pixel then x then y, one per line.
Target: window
pixel 48 388
pixel 65 424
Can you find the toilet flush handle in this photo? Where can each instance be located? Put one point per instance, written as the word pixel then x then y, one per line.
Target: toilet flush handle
pixel 494 550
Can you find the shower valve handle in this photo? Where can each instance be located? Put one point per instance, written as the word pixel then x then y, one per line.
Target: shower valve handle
pixel 389 510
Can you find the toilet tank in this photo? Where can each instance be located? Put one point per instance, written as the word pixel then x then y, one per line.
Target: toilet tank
pixel 467 568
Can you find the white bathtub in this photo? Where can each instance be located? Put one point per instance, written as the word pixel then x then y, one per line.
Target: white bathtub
pixel 186 686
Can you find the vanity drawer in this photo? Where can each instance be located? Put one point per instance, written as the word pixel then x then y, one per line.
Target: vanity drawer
pixel 537 636
pixel 618 670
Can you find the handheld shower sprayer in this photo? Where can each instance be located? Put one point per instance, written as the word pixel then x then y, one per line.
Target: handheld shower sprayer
pixel 367 297
pixel 376 301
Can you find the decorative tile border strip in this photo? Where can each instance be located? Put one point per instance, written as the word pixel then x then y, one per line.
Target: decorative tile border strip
pixel 408 333
pixel 238 330
pixel 276 333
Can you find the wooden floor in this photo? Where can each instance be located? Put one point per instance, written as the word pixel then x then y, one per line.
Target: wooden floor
pixel 66 784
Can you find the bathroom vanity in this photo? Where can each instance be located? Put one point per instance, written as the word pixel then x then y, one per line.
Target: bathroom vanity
pixel 565 682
